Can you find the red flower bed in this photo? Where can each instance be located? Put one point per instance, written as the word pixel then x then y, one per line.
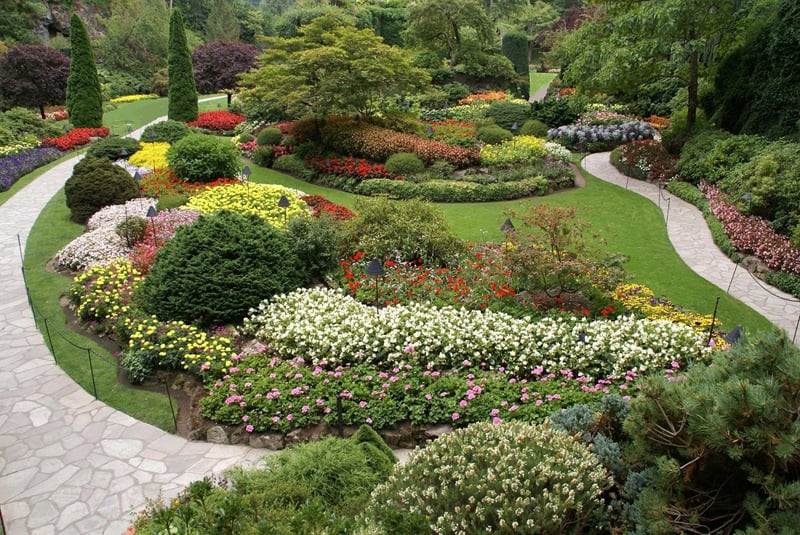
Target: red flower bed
pixel 164 182
pixel 320 204
pixel 360 139
pixel 75 138
pixel 349 167
pixel 220 120
pixel 647 160
pixel 752 234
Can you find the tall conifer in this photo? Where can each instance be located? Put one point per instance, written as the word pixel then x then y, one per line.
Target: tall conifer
pixel 182 91
pixel 84 95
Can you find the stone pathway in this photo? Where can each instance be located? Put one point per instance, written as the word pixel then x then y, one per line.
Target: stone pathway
pixel 692 240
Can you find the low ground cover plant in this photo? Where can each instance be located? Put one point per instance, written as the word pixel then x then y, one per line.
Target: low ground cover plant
pixel 598 138
pixel 14 167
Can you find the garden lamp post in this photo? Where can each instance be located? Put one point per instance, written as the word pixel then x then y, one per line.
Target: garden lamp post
pixel 748 199
pixel 283 202
pixel 514 128
pixel 507 226
pixel 375 269
pixel 151 214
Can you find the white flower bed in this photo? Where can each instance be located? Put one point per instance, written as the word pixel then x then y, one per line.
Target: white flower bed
pixel 327 325
pixel 95 247
pixel 113 215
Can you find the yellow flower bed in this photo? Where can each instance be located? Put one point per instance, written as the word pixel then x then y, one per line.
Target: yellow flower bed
pixel 152 155
pixel 249 198
pixel 515 150
pixel 102 293
pixel 132 98
pixel 641 299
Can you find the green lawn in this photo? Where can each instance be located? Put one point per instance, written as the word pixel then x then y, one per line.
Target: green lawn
pixel 540 80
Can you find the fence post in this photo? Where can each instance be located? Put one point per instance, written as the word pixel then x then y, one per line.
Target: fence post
pixel 171 408
pixel 91 370
pixel 2 522
pixel 49 339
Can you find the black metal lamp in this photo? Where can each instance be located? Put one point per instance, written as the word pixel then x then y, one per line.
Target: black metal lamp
pixel 507 226
pixel 283 202
pixel 375 269
pixel 151 214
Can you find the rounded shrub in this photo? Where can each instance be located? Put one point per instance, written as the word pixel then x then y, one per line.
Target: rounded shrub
pixel 112 147
pixel 215 270
pixel 508 477
pixel 493 134
pixel 508 112
pixel 165 132
pixel 291 164
pixel 246 138
pixel 203 158
pixel 534 127
pixel 269 136
pixel 317 242
pixel 404 163
pixel 96 183
pixel 263 155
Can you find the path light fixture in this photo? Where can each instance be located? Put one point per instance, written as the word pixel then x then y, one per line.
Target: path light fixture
pixel 749 200
pixel 246 176
pixel 123 153
pixel 507 226
pixel 514 127
pixel 733 336
pixel 151 214
pixel 130 128
pixel 283 202
pixel 375 269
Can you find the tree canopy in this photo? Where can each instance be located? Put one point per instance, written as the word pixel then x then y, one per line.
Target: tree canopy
pixel 218 64
pixel 34 76
pixel 443 25
pixel 330 68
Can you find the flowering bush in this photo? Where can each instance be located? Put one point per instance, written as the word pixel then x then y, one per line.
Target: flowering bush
pixel 557 152
pixel 475 98
pixel 159 230
pixel 259 199
pixel 18 147
pixel 600 114
pixel 646 160
pixel 56 115
pixel 452 132
pixel 162 182
pixel 102 293
pixel 603 137
pixel 14 167
pixel 151 156
pixel 74 138
pixel 509 478
pixel 132 98
pixel 111 216
pixel 220 120
pixel 327 325
pixel 349 167
pixel 100 246
pixel 752 234
pixel 320 204
pixel 517 149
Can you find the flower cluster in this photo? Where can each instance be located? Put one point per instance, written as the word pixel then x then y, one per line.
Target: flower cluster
pixel 452 132
pixel 219 120
pixel 163 182
pixel 75 138
pixel 259 199
pixel 102 293
pixel 132 98
pixel 161 228
pixel 56 115
pixel 111 216
pixel 151 156
pixel 320 204
pixel 350 167
pixel 467 112
pixel 327 325
pixel 488 96
pixel 557 152
pixel 12 168
pixel 647 160
pixel 19 146
pixel 516 150
pixel 752 234
pixel 96 247
pixel 602 115
pixel 641 299
pixel 577 137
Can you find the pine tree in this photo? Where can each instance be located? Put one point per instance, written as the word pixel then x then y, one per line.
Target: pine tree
pixel 182 91
pixel 222 24
pixel 84 95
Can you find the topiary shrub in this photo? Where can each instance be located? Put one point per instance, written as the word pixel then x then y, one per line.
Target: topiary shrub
pixel 203 158
pixel 111 147
pixel 263 155
pixel 215 270
pixel 165 132
pixel 96 183
pixel 508 477
pixel 404 163
pixel 506 113
pixel 269 136
pixel 493 134
pixel 534 127
pixel 246 138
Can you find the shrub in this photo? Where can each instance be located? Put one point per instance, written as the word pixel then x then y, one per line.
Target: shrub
pixel 645 160
pixel 292 165
pixel 215 270
pixel 712 155
pixel 269 136
pixel 95 183
pixel 21 121
pixel 678 133
pixel 788 282
pixel 533 127
pixel 404 163
pixel 554 112
pixel 508 477
pixel 263 155
pixel 507 113
pixel 600 138
pixel 203 158
pixel 112 147
pixel 165 132
pixel 513 151
pixel 317 241
pixel 493 134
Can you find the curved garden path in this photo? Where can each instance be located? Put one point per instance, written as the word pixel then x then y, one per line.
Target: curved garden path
pixel 692 240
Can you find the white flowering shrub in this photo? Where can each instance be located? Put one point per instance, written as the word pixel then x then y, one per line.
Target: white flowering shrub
pixel 506 478
pixel 97 247
pixel 113 215
pixel 558 152
pixel 327 325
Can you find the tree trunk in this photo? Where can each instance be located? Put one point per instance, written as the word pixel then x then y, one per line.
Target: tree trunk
pixel 691 115
pixel 41 111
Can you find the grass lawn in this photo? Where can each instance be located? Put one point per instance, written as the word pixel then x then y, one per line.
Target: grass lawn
pixel 540 80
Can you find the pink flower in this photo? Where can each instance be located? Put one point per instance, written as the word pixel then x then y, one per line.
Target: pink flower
pixel 462 403
pixel 369 420
pixel 249 428
pixel 496 420
pixel 245 418
pixel 494 412
pixel 455 416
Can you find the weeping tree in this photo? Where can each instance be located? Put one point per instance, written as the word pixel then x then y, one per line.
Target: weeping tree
pixel 182 92
pixel 84 95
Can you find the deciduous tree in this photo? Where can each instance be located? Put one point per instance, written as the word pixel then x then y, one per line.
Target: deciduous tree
pixel 218 64
pixel 34 76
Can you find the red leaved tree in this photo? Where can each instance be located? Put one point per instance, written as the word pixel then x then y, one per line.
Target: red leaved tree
pixel 217 65
pixel 34 76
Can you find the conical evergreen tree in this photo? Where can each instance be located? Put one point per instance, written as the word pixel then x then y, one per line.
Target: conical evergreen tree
pixel 182 91
pixel 84 95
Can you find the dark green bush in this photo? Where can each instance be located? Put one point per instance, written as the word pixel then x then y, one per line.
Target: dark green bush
pixel 132 230
pixel 203 158
pixel 96 183
pixel 215 270
pixel 507 113
pixel 165 132
pixel 263 155
pixel 246 138
pixel 317 241
pixel 534 127
pixel 784 281
pixel 404 163
pixel 111 147
pixel 269 136
pixel 441 169
pixel 22 122
pixel 413 229
pixel 678 133
pixel 493 134
pixel 712 155
pixel 555 112
pixel 293 165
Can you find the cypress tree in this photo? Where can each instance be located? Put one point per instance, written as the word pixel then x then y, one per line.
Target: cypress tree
pixel 84 96
pixel 182 91
pixel 515 48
